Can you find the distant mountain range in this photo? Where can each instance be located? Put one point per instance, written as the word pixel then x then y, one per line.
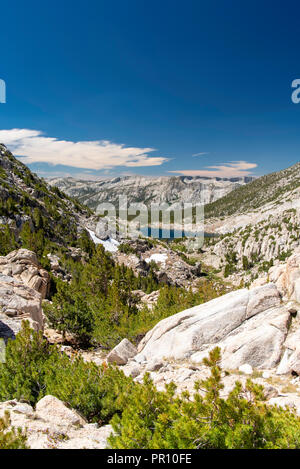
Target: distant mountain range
pixel 149 189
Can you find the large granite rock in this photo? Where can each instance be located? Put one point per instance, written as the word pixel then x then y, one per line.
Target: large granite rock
pixel 257 341
pixel 250 326
pixel 23 266
pixel 286 277
pixel 18 302
pixel 23 285
pixel 53 410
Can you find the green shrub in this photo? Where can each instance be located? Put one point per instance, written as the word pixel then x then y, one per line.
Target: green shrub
pixel 99 309
pixel 11 438
pixel 162 420
pixel 33 369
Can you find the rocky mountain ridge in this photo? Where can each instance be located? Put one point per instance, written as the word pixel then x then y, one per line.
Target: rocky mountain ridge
pixel 148 189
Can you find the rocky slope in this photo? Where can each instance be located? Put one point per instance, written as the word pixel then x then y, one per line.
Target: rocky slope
pixel 167 266
pixel 258 225
pixel 255 326
pixel 46 220
pixel 25 198
pixel 271 191
pixel 257 329
pixel 148 189
pixel 23 286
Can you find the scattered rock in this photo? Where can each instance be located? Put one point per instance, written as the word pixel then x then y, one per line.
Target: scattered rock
pixel 55 426
pixel 287 402
pixel 132 369
pixel 52 409
pixel 270 391
pixel 170 268
pixel 23 408
pixel 122 353
pixel 149 300
pixel 184 374
pixel 154 365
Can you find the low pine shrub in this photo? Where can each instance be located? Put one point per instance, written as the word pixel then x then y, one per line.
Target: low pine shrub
pixel 11 438
pixel 162 420
pixel 33 369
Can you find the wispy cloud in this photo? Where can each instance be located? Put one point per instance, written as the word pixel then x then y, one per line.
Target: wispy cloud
pixel 201 154
pixel 226 170
pixel 34 147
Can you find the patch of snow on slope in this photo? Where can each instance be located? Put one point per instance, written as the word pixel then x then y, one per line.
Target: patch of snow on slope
pixel 110 245
pixel 157 258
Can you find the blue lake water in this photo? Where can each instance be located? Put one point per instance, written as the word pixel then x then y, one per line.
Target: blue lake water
pixel 172 234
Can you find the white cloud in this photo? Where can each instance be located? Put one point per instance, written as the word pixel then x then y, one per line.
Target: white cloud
pixel 33 147
pixel 201 154
pixel 227 170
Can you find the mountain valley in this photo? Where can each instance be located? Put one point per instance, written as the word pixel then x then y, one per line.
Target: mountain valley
pixel 96 328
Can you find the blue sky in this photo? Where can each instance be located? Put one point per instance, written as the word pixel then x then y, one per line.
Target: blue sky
pixel 122 87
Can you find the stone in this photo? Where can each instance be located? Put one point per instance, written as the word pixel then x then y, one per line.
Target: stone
pixel 53 430
pixel 283 367
pixel 132 369
pixel 52 409
pixel 23 408
pixel 23 285
pixel 270 391
pixel 290 402
pixel 140 358
pixel 259 341
pixel 247 369
pixel 154 365
pixel 23 266
pixel 18 301
pixel 54 262
pixel 122 353
pixel 90 437
pixel 183 375
pixel 294 362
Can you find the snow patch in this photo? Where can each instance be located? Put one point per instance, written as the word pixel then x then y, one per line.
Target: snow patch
pixel 157 258
pixel 110 244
